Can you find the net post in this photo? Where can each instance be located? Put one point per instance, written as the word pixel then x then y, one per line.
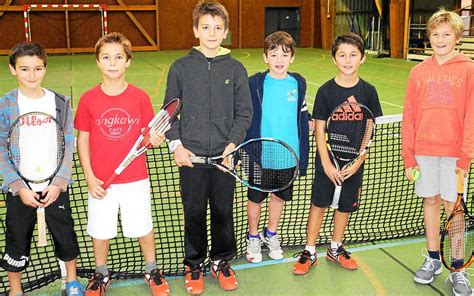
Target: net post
pixel 103 15
pixel 26 21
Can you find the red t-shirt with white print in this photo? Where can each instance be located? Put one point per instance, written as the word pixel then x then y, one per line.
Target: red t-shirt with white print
pixel 114 124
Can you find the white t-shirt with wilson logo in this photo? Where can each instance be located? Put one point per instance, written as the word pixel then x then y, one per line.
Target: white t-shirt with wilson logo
pixel 114 124
pixel 37 158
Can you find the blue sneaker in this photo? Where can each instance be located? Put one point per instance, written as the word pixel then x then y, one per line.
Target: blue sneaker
pixel 74 288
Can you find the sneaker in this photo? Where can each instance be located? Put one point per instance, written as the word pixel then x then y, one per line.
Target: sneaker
pixel 157 283
pixel 431 267
pixel 254 250
pixel 194 282
pixel 461 285
pixel 97 285
pixel 225 275
pixel 74 288
pixel 305 261
pixel 273 244
pixel 341 256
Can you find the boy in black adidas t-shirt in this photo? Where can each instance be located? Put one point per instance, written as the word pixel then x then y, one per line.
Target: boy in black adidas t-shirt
pixel 348 55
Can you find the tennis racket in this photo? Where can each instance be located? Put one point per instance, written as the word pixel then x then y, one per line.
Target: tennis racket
pixel 160 123
pixel 349 132
pixel 36 148
pixel 263 164
pixel 457 238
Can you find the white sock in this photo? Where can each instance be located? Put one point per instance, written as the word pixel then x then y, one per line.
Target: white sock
pixel 310 249
pixel 335 245
pixel 215 263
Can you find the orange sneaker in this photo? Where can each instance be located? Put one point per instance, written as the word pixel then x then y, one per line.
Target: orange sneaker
pixel 97 285
pixel 224 274
pixel 194 281
pixel 157 283
pixel 305 261
pixel 341 256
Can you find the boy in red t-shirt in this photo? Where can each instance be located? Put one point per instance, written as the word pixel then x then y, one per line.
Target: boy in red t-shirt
pixel 110 117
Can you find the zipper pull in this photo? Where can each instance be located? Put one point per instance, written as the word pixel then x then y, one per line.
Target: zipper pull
pixel 209 65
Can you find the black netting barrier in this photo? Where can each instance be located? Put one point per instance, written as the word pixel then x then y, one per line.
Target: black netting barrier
pixel 388 209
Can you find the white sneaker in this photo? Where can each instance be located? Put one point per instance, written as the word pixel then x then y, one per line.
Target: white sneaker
pixel 273 244
pixel 254 250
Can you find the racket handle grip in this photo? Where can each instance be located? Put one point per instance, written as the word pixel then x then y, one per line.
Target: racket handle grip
pixel 109 181
pixel 196 159
pixel 40 216
pixel 336 196
pixel 460 183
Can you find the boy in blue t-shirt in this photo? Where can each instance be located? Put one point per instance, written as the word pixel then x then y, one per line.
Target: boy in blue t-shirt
pixel 280 112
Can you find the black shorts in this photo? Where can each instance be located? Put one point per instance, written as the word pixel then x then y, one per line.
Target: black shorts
pixel 258 196
pixel 20 223
pixel 322 192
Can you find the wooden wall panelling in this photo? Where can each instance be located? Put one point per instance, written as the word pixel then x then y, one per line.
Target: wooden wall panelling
pixel 65 31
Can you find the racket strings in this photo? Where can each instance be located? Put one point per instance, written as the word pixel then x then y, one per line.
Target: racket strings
pixel 459 245
pixel 36 146
pixel 350 130
pixel 268 165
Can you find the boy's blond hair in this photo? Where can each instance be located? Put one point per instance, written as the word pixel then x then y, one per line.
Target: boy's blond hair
pixel 211 8
pixel 117 38
pixel 443 16
pixel 279 38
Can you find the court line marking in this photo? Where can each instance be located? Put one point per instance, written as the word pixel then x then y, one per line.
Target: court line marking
pixel 374 280
pixel 391 104
pixel 247 55
pixel 313 83
pixel 160 80
pixel 404 242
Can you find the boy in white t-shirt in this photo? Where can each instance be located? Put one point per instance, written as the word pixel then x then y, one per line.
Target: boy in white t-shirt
pixel 28 63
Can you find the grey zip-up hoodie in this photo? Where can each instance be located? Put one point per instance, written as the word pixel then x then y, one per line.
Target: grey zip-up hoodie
pixel 216 105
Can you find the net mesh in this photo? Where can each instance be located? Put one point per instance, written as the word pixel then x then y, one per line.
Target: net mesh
pixel 388 209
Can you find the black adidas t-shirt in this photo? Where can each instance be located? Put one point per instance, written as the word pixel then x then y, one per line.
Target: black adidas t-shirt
pixel 330 95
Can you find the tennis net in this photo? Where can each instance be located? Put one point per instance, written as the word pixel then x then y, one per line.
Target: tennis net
pixel 388 209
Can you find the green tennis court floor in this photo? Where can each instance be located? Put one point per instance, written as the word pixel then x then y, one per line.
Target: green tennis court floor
pixel 385 268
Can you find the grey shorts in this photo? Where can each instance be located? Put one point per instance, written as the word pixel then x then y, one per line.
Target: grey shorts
pixel 438 177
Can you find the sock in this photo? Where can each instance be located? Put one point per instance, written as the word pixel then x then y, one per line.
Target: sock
pixel 249 236
pixel 150 266
pixel 335 245
pixel 434 255
pixel 310 249
pixel 269 233
pixel 457 263
pixel 215 264
pixel 102 270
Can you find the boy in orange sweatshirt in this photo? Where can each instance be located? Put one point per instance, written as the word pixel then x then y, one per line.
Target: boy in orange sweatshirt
pixel 438 135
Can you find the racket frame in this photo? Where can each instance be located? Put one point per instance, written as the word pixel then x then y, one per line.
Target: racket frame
pixel 40 211
pixel 216 161
pixel 459 208
pixel 351 161
pixel 160 123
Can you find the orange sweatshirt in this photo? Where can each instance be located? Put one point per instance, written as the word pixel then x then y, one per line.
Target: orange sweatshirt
pixel 438 117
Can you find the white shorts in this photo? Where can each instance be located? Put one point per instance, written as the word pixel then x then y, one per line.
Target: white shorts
pixel 134 202
pixel 438 177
